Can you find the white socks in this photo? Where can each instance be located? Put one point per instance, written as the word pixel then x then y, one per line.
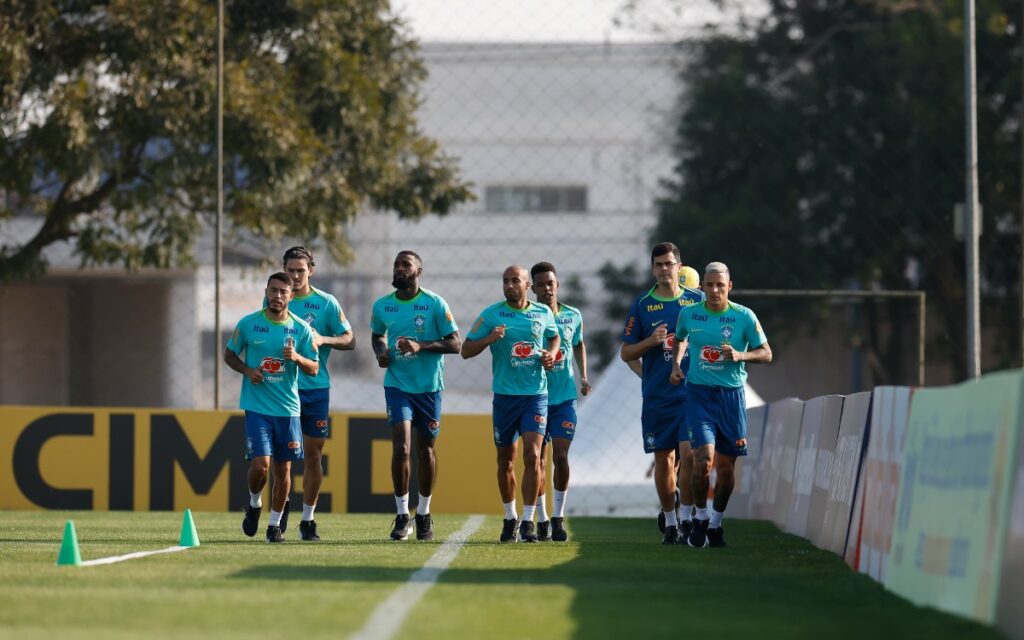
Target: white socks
pixel 542 509
pixel 558 507
pixel 670 519
pixel 528 510
pixel 255 500
pixel 275 518
pixel 423 506
pixel 685 512
pixel 702 514
pixel 510 510
pixel 307 511
pixel 716 519
pixel 402 504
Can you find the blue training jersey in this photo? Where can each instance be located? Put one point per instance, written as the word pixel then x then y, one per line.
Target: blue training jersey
pixel 645 315
pixel 708 330
pixel 515 363
pixel 424 318
pixel 562 378
pixel 321 311
pixel 263 341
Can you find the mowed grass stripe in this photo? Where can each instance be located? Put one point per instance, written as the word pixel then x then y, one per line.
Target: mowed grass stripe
pixel 613 579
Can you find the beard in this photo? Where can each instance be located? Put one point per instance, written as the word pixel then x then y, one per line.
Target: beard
pixel 401 282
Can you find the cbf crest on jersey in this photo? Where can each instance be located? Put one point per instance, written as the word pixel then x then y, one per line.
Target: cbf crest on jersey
pixel 536 327
pixel 420 323
pixel 726 332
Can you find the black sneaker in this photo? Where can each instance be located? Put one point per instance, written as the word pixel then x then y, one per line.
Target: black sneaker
pixel 558 533
pixel 716 537
pixel 526 532
pixel 671 536
pixel 684 529
pixel 307 530
pixel 402 527
pixel 274 534
pixel 509 530
pixel 284 515
pixel 424 527
pixel 251 521
pixel 544 531
pixel 661 521
pixel 698 537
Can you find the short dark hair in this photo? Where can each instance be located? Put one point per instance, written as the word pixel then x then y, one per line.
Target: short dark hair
pixel 662 248
pixel 281 276
pixel 408 252
pixel 542 267
pixel 298 253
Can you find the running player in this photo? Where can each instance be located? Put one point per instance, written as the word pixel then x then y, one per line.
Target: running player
pixel 649 336
pixel 723 336
pixel 561 399
pixel 412 330
pixel 277 344
pixel 523 339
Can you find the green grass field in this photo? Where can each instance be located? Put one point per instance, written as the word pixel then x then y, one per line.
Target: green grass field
pixel 612 580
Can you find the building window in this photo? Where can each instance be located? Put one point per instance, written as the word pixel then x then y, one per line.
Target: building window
pixel 527 198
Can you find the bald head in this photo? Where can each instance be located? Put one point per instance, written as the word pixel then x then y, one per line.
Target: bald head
pixel 515 282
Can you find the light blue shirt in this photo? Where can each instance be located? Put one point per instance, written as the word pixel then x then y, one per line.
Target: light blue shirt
pixel 424 318
pixel 708 331
pixel 515 362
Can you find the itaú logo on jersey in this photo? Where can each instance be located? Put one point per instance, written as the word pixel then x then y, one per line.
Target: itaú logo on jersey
pixel 522 353
pixel 711 354
pixel 272 366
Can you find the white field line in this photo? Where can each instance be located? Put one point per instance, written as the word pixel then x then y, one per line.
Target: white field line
pixel 389 615
pixel 131 556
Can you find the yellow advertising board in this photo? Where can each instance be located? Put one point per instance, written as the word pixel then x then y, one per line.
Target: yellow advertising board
pixel 165 459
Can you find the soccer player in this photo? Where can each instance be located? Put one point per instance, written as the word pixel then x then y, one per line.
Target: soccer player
pixel 331 330
pixel 277 345
pixel 561 399
pixel 523 340
pixel 723 336
pixel 649 336
pixel 412 330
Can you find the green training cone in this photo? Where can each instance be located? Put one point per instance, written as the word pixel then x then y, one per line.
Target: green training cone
pixel 189 537
pixel 69 553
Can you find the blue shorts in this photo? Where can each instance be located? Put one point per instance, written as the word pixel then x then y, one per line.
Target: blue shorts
pixel 718 416
pixel 316 408
pixel 423 410
pixel 562 420
pixel 664 424
pixel 513 415
pixel 274 436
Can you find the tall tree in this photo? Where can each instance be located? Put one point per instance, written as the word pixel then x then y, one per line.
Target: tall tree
pixel 823 146
pixel 107 125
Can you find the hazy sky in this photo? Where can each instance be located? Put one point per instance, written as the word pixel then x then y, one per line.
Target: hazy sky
pixel 542 20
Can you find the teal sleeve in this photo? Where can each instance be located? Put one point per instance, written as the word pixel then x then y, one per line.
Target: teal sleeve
pixel 754 336
pixel 681 330
pixel 551 329
pixel 577 337
pixel 237 341
pixel 335 321
pixel 480 328
pixel 445 320
pixel 305 345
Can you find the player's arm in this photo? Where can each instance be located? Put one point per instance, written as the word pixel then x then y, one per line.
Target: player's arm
pixel 472 348
pixel 634 350
pixel 760 355
pixel 451 343
pixel 232 360
pixel 380 350
pixel 344 342
pixel 636 367
pixel 579 351
pixel 678 350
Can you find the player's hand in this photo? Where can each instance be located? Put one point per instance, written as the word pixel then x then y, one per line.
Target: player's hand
pixel 255 375
pixel 497 333
pixel 407 347
pixel 317 338
pixel 384 359
pixel 584 386
pixel 731 355
pixel 660 334
pixel 547 359
pixel 676 376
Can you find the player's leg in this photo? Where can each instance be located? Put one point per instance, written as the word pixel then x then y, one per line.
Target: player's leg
pixel 684 487
pixel 543 521
pixel 316 425
pixel 506 440
pixel 427 426
pixel 259 447
pixel 660 430
pixel 287 448
pixel 665 484
pixel 561 430
pixel 532 426
pixel 730 442
pixel 400 413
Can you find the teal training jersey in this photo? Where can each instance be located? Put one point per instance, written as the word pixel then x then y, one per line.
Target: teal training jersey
pixel 561 378
pixel 321 311
pixel 263 341
pixel 708 331
pixel 515 363
pixel 424 318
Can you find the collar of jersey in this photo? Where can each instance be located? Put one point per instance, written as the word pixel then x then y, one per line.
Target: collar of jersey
pixel 272 321
pixel 728 306
pixel 400 301
pixel 659 299
pixel 529 304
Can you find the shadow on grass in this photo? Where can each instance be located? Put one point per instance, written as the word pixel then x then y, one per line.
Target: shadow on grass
pixel 766 584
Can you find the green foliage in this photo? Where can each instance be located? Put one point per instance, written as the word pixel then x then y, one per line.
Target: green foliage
pixel 107 116
pixel 823 148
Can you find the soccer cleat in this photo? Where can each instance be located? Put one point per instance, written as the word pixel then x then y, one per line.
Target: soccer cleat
pixel 284 515
pixel 402 527
pixel 671 536
pixel 544 531
pixel 661 521
pixel 526 532
pixel 251 521
pixel 558 533
pixel 274 534
pixel 684 529
pixel 716 537
pixel 509 530
pixel 307 530
pixel 698 537
pixel 424 527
